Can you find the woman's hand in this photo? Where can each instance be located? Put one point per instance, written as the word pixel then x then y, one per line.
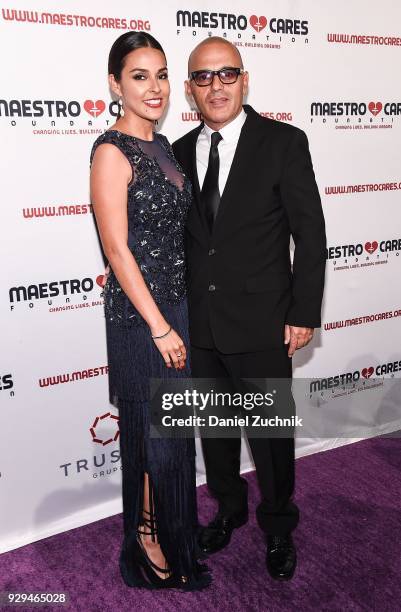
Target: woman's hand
pixel 172 349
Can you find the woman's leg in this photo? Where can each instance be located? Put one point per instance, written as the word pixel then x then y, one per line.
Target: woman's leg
pixel 148 530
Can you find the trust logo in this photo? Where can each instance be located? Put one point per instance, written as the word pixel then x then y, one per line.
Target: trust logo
pixel 94 108
pixel 375 107
pixel 371 247
pixel 105 429
pixel 258 23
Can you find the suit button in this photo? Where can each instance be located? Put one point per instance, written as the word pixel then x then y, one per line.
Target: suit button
pixel 212 287
pixel 212 252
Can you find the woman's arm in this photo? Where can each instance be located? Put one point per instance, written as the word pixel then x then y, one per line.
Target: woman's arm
pixel 110 175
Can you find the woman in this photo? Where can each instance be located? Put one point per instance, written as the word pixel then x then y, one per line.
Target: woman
pixel 140 198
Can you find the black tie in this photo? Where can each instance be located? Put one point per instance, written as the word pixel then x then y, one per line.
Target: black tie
pixel 210 193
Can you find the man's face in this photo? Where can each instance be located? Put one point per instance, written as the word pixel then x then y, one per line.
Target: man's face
pixel 218 103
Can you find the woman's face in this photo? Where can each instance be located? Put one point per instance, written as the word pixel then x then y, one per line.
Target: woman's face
pixel 144 86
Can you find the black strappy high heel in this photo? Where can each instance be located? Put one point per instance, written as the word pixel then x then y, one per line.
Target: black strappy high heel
pixel 146 564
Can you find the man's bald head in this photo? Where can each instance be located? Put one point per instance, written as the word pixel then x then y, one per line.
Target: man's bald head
pixel 218 102
pixel 196 54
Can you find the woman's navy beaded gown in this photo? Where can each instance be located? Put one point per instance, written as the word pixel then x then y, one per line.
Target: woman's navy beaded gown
pixel 159 196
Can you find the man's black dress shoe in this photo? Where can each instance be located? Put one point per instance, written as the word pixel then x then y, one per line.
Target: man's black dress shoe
pixel 217 534
pixel 281 557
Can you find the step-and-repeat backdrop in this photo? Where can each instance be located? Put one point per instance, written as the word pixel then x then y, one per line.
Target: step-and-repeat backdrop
pixel 331 69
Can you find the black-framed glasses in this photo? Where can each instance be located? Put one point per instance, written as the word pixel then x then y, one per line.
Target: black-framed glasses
pixel 227 76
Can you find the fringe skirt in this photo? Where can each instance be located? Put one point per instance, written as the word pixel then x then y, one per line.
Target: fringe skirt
pixel 169 462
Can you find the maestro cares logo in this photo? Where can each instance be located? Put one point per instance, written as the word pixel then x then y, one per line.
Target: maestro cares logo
pixel 367 254
pixel 368 377
pixel 367 115
pixel 244 30
pixel 58 116
pixel 59 295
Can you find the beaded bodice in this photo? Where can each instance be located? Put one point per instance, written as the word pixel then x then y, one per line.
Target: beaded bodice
pixel 159 196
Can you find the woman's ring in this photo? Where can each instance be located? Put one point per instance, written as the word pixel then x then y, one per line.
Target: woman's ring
pixel 178 354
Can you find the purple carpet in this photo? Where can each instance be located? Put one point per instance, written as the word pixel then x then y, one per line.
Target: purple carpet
pixel 348 543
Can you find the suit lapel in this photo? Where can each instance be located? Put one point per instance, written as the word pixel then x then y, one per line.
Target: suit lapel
pixel 239 171
pixel 196 222
pixel 194 169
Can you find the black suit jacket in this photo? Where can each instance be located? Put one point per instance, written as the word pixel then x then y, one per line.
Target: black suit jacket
pixel 241 289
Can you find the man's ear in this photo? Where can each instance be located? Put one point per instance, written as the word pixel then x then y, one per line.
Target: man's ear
pixel 114 86
pixel 188 91
pixel 245 84
pixel 190 98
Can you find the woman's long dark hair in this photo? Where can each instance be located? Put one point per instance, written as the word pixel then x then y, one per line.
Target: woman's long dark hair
pixel 130 41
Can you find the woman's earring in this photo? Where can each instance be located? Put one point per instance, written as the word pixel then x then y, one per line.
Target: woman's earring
pixel 120 107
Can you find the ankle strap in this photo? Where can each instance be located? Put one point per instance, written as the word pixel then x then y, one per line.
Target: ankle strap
pixel 152 530
pixel 150 524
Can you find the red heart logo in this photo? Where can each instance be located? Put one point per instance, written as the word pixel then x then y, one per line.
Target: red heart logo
pixel 101 280
pixel 371 247
pixel 375 107
pixel 94 108
pixel 258 23
pixel 367 372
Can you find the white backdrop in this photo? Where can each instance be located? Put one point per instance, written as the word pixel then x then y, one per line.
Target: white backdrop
pixel 59 459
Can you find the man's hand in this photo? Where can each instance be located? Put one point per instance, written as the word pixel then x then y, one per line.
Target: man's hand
pixel 296 337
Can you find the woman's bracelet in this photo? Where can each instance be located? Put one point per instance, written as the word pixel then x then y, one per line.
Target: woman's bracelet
pixel 163 335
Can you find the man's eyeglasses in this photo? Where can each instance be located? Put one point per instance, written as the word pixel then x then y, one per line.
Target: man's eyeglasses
pixel 227 76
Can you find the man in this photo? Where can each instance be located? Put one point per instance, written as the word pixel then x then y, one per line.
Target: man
pixel 254 186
